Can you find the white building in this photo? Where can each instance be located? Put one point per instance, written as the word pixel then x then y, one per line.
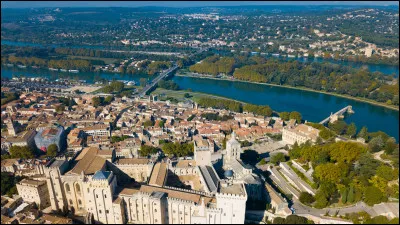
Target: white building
pixel 87 185
pixel 299 134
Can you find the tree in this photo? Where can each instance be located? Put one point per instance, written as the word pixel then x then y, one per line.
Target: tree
pixel 108 99
pixel 187 95
pixel 96 101
pixel 351 130
pixel 117 86
pixel 295 115
pixel 60 108
pixel 224 143
pixel 387 172
pixel 279 220
pixel 390 146
pixel 8 182
pixel 326 134
pixel 177 149
pixel 52 150
pixel 376 144
pixel 344 195
pixel 373 195
pixel 148 123
pixel 328 172
pixel 377 220
pixel 284 116
pixel 363 133
pixel 277 158
pixel 306 198
pixel 346 151
pixel 321 201
pixel 350 194
pixel 24 152
pixel 339 127
pixel 146 150
pixel 294 219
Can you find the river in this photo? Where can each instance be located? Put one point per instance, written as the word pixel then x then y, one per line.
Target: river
pixel 313 106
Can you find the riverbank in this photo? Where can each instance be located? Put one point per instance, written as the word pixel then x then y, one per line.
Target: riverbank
pixel 300 88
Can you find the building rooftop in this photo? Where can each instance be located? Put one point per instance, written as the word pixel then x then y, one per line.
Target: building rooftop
pixel 159 174
pixel 306 130
pixel 210 177
pixel 173 193
pixel 237 189
pixel 32 183
pixel 89 163
pixel 55 163
pixel 186 163
pixel 201 143
pixel 132 161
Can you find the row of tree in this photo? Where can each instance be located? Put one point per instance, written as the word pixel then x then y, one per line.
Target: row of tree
pixel 78 64
pixel 178 149
pixel 318 76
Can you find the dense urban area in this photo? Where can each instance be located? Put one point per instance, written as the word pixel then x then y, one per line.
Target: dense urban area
pixel 95 129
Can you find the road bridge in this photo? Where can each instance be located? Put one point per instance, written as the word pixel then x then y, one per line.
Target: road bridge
pixel 339 114
pixel 163 75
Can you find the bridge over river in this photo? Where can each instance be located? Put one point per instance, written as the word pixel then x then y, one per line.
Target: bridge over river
pixel 333 117
pixel 163 75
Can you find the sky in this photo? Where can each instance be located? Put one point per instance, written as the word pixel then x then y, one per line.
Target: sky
pixel 39 4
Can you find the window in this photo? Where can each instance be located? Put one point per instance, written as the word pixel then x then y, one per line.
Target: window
pixel 107 211
pixel 79 202
pixel 87 190
pixel 155 210
pixel 78 189
pixel 99 211
pixel 67 188
pixel 105 196
pixel 97 196
pixel 70 202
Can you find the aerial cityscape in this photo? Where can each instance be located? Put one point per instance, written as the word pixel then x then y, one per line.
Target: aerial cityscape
pixel 199 112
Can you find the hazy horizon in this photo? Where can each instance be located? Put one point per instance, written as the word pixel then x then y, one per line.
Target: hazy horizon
pixel 181 4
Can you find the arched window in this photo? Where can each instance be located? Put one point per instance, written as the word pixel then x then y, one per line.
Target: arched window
pixel 70 202
pixel 67 187
pixel 78 189
pixel 79 202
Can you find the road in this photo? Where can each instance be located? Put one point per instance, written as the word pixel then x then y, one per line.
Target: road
pixel 361 206
pixel 156 80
